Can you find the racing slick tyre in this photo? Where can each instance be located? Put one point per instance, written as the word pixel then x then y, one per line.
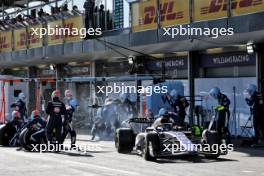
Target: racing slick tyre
pixel 24 139
pixel 151 142
pixel 6 134
pixel 124 140
pixel 211 138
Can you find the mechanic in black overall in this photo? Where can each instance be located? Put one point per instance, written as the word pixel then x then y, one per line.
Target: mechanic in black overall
pixel 255 100
pixel 56 111
pixel 224 113
pixel 179 104
pixel 20 106
pixel 37 123
pixel 15 120
pixel 17 124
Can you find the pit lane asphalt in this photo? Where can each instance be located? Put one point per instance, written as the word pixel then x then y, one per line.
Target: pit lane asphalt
pixel 242 161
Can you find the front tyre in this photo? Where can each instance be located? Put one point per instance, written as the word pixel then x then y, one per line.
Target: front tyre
pixel 151 147
pixel 124 140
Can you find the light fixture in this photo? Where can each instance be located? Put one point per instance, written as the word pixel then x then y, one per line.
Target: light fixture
pixel 250 48
pixel 72 63
pixel 52 67
pixel 131 60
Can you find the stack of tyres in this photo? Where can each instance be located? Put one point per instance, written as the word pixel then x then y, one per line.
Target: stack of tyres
pixel 7 132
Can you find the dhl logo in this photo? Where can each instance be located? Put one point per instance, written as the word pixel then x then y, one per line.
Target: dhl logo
pixel 32 38
pixel 22 41
pixel 69 27
pixel 167 13
pixel 221 5
pixel 3 42
pixel 57 35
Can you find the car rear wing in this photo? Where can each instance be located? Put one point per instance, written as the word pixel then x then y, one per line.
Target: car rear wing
pixel 142 120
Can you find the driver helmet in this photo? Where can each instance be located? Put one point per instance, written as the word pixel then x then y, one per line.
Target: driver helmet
pixel 174 94
pixel 55 94
pixel 251 89
pixel 15 115
pixel 22 97
pixel 214 92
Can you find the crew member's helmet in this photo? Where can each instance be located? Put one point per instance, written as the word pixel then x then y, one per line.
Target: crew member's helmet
pixel 251 89
pixel 214 92
pixel 15 115
pixel 22 96
pixel 174 94
pixel 163 112
pixel 68 93
pixel 55 94
pixel 35 114
pixel 123 97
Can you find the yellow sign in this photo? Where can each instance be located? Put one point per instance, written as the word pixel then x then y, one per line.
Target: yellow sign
pixel 144 15
pixel 55 35
pixel 209 9
pixel 72 27
pixel 20 39
pixel 5 41
pixel 34 41
pixel 247 6
pixel 174 12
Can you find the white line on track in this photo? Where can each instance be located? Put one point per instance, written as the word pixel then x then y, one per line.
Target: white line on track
pixel 97 167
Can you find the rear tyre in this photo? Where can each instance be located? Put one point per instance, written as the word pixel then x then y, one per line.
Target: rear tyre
pixel 151 143
pixel 211 138
pixel 124 140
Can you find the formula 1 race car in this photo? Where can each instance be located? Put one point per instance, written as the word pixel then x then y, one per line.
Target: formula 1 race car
pixel 163 139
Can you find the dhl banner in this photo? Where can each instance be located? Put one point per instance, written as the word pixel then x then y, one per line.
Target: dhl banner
pixel 240 7
pixel 20 39
pixel 34 41
pixel 55 37
pixel 144 15
pixel 5 41
pixel 71 25
pixel 209 9
pixel 174 12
